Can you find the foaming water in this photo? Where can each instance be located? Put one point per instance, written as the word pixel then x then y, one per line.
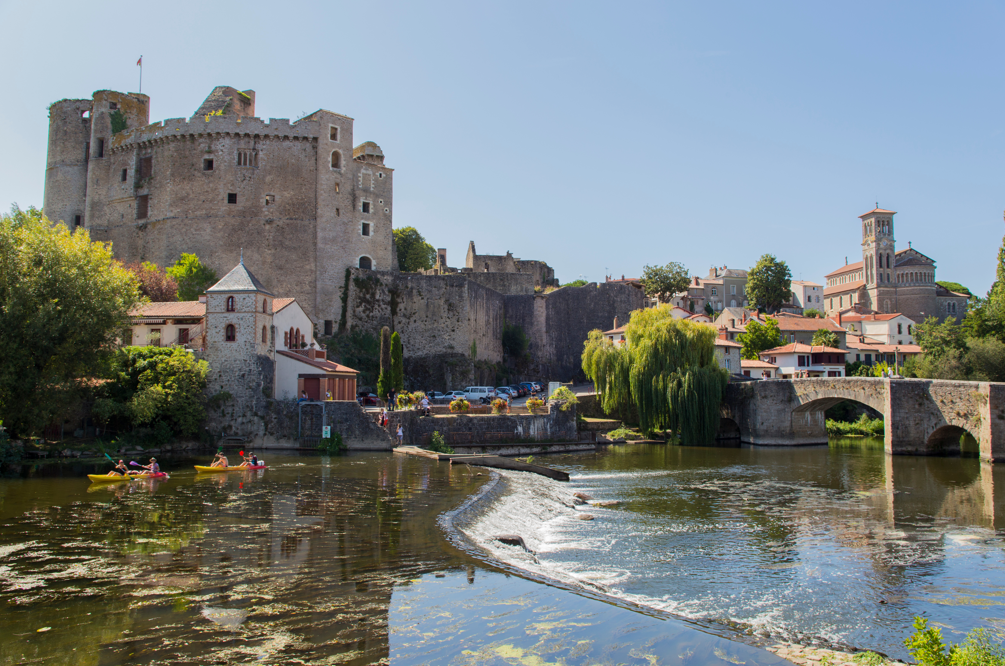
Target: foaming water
pixel 837 545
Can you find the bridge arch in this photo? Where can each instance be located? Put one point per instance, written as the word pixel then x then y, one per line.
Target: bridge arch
pixel 952 439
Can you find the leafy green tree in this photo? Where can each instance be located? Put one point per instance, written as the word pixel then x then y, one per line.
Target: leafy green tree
pixel 414 253
pixel 826 338
pixel 954 286
pixel 985 360
pixel 154 281
pixel 663 282
pixel 64 301
pixel 813 313
pixel 759 337
pixel 708 309
pixel 397 363
pixel 666 373
pixel 769 284
pixel 384 382
pixel 154 385
pixel 192 277
pixel 576 283
pixel 937 338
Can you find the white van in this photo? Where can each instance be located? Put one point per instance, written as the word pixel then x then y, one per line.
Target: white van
pixel 479 394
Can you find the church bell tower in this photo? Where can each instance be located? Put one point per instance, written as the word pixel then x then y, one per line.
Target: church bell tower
pixel 878 258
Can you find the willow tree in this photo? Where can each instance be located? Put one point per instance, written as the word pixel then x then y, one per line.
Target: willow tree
pixel 666 371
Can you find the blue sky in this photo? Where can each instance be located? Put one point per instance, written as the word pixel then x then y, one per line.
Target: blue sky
pixel 594 136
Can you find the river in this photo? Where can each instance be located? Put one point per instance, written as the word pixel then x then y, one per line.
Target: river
pixel 315 560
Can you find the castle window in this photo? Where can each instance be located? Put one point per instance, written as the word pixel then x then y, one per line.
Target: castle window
pixel 207 164
pixel 380 174
pixel 329 326
pixel 332 133
pixel 265 305
pixel 77 221
pixel 336 188
pixel 142 206
pixel 270 199
pixel 230 333
pixel 336 159
pixel 125 174
pixel 146 167
pixel 387 210
pixel 230 304
pixel 112 106
pixel 247 158
pixel 366 262
pixel 265 335
pixel 101 148
pixel 232 197
pixel 87 150
pixel 365 229
pixel 366 206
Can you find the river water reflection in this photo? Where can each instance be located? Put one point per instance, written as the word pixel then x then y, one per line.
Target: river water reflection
pixel 841 543
pixel 312 561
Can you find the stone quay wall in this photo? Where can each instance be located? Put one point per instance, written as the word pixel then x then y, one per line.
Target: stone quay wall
pixel 555 426
pixel 292 424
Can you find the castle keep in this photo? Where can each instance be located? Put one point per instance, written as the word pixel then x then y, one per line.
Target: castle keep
pixel 296 196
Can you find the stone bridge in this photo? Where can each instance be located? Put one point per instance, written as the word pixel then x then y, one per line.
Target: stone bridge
pixel 922 416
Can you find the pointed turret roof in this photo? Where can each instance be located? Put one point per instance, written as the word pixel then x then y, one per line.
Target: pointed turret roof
pixel 240 279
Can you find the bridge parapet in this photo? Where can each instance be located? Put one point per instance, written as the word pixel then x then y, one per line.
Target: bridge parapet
pixel 922 416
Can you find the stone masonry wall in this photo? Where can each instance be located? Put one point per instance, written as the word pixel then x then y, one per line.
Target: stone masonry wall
pixel 557 426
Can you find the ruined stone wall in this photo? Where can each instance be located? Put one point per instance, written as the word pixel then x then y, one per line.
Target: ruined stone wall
pixel 505 283
pixel 434 315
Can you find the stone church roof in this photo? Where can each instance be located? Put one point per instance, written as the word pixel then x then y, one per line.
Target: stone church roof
pixel 239 279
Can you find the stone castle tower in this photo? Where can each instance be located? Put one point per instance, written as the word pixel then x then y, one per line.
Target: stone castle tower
pixel 298 196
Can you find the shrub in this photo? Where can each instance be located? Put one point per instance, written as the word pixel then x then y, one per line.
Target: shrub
pixel 333 444
pixel 437 443
pixel 8 452
pixel 863 427
pixel 979 648
pixel 564 395
pixel 624 433
pixel 499 406
pixel 460 405
pixel 534 404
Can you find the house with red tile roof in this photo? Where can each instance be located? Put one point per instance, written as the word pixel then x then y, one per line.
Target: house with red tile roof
pixel 800 360
pixel 167 323
pixel 893 328
pixel 756 369
pixel 867 350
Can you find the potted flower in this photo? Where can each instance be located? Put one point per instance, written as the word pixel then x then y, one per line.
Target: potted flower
pixel 499 406
pixel 459 406
pixel 533 404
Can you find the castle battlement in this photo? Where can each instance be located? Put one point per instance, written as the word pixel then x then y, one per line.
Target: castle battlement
pixel 217 125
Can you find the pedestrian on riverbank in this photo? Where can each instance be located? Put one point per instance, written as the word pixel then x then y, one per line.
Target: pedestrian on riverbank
pixel 401 435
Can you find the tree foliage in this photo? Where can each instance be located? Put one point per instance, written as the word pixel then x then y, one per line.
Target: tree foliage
pixel 954 286
pixel 384 382
pixel 397 363
pixel 759 337
pixel 826 338
pixel 769 284
pixel 160 389
pixel 63 303
pixel 192 277
pixel 154 281
pixel 576 283
pixel 414 253
pixel 514 341
pixel 663 282
pixel 813 313
pixel 667 372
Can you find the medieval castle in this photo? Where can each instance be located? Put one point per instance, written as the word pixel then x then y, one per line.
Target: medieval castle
pixel 313 215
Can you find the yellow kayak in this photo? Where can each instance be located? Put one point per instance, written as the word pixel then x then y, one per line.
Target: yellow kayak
pixel 104 478
pixel 202 468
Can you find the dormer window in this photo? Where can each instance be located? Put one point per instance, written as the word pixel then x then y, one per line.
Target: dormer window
pixel 230 304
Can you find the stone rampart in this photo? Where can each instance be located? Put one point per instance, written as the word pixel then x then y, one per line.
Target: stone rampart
pixel 227 124
pixel 505 283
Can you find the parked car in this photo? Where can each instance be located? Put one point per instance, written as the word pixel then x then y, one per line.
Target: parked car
pixel 482 394
pixel 453 395
pixel 370 399
pixel 435 396
pixel 528 385
pixel 504 391
pixel 520 391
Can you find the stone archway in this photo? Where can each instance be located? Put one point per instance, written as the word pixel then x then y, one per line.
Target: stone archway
pixel 948 440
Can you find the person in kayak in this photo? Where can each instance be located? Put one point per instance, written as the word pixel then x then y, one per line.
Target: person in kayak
pixel 120 469
pixel 254 460
pixel 220 460
pixel 153 467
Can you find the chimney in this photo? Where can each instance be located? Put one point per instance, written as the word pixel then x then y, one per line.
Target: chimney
pixel 723 334
pixel 839 318
pixel 202 298
pixel 846 261
pixel 615 322
pixel 622 277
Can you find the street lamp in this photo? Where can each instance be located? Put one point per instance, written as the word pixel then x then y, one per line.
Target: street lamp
pixel 896 360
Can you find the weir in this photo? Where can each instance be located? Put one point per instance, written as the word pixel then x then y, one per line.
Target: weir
pixel 921 416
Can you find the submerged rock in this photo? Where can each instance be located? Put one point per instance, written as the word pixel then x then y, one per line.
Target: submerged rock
pixel 582 496
pixel 606 503
pixel 512 540
pixel 585 516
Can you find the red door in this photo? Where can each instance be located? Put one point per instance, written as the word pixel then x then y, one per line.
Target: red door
pixel 313 388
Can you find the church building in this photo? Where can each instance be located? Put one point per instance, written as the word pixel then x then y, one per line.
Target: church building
pixel 888 280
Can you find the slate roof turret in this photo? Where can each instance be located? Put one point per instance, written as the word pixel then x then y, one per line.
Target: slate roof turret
pixel 239 279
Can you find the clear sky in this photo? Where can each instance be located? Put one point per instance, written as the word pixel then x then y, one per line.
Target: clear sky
pixel 598 137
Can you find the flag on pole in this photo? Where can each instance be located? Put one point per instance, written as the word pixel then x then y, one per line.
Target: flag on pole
pixel 139 63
